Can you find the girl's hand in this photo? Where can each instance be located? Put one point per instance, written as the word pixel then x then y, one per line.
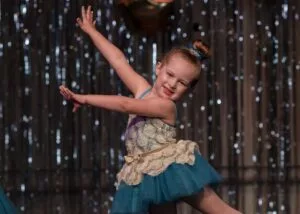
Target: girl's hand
pixel 77 99
pixel 86 22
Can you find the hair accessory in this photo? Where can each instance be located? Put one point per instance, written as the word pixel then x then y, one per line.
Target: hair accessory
pixel 201 54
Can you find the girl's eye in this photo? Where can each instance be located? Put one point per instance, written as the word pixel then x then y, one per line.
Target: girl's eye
pixel 183 83
pixel 169 74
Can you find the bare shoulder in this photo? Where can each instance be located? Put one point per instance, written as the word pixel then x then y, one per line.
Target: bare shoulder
pixel 168 110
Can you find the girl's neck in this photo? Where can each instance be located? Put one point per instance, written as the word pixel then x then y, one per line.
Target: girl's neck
pixel 152 94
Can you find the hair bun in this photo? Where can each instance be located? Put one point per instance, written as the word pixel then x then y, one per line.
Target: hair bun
pixel 202 49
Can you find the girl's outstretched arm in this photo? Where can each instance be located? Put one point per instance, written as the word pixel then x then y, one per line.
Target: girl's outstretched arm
pixel 152 107
pixel 134 82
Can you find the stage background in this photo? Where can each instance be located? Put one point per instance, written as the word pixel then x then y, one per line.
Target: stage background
pixel 244 112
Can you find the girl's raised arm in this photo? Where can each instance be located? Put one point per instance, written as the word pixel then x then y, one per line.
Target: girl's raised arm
pixel 134 82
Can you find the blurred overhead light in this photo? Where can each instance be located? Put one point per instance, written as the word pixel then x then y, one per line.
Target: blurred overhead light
pixel 146 16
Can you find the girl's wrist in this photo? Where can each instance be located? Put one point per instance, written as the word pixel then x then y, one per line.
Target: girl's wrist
pixel 85 100
pixel 81 99
pixel 91 30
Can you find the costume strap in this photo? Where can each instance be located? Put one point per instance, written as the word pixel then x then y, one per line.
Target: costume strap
pixel 144 93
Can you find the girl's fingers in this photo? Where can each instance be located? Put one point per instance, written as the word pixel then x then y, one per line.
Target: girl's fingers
pixel 64 95
pixel 88 13
pixel 68 95
pixel 65 89
pixel 68 91
pixel 83 13
pixel 62 90
pixel 74 109
pixel 61 87
pixel 91 15
pixel 78 20
pixel 86 16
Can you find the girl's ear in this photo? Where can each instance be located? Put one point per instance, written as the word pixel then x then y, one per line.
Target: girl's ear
pixel 158 68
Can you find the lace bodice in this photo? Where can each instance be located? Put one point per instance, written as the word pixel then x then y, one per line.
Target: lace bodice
pixel 147 134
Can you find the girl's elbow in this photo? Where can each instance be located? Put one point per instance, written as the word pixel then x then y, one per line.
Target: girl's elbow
pixel 125 106
pixel 120 57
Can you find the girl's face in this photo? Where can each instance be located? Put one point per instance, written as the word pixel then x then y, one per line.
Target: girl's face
pixel 174 77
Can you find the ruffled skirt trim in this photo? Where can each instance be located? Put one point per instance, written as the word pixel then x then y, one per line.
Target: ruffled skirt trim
pixel 177 181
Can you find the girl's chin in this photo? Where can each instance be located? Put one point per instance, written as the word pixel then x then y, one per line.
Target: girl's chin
pixel 166 96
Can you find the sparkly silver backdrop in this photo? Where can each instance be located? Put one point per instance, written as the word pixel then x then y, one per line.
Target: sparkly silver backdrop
pixel 244 112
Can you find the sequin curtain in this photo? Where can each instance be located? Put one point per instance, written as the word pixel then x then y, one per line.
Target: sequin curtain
pixel 244 112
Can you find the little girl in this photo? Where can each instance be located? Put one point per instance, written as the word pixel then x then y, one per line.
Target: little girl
pixel 158 169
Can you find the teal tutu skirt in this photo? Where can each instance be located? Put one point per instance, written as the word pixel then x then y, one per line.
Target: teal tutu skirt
pixel 177 181
pixel 6 206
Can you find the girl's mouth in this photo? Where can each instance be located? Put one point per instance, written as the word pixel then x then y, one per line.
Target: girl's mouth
pixel 167 91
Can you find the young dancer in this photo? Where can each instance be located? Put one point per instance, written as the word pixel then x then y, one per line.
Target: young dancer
pixel 159 170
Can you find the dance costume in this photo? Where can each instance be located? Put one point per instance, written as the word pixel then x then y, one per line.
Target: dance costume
pixel 6 206
pixel 158 168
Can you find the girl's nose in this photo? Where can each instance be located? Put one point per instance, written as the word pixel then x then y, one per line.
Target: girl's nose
pixel 173 83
